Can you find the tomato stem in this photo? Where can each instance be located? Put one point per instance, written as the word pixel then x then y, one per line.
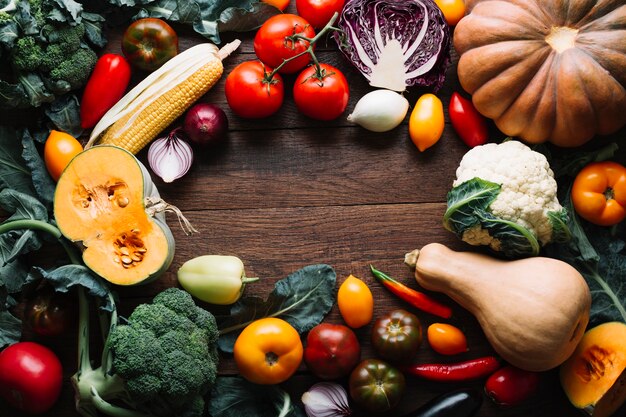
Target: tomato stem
pixel 309 50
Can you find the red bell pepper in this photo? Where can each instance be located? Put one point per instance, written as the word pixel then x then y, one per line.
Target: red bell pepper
pixel 105 87
pixel 468 123
pixel 455 372
pixel 416 298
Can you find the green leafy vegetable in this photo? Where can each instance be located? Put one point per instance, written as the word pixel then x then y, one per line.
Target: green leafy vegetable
pixel 14 172
pixel 236 397
pixel 302 299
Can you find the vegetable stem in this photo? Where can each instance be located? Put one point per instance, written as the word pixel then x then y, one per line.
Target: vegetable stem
pixel 416 298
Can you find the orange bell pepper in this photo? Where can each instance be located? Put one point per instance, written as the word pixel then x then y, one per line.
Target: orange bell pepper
pixel 599 193
pixel 268 351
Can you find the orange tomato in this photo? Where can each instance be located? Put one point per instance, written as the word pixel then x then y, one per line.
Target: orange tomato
pixel 58 151
pixel 426 122
pixel 355 301
pixel 268 351
pixel 453 10
pixel 599 193
pixel 446 339
pixel 279 4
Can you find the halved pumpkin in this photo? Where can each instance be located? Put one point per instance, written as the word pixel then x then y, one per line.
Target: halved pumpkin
pixel 103 201
pixel 594 377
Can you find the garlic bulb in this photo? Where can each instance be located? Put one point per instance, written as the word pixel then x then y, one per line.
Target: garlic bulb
pixel 380 110
pixel 326 399
pixel 170 157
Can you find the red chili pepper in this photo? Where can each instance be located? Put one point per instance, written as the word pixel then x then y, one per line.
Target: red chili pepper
pixel 416 298
pixel 470 125
pixel 455 372
pixel 511 386
pixel 105 87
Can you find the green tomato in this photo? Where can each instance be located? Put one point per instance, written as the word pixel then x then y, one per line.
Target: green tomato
pixel 376 386
pixel 216 279
pixel 397 335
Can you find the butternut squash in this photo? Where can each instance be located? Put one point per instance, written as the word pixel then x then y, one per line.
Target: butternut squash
pixel 594 377
pixel 106 202
pixel 533 311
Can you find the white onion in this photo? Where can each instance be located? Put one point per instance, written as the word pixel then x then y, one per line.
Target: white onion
pixel 380 110
pixel 326 399
pixel 170 157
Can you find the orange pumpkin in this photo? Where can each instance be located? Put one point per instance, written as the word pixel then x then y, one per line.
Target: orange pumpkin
pixel 546 70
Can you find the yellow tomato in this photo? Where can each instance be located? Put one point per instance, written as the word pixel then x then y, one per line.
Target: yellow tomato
pixel 279 4
pixel 426 122
pixel 268 351
pixel 58 151
pixel 446 339
pixel 355 301
pixel 453 10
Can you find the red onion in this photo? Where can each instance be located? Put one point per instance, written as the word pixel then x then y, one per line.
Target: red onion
pixel 326 399
pixel 170 157
pixel 205 124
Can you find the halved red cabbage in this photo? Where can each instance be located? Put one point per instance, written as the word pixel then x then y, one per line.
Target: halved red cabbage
pixel 396 43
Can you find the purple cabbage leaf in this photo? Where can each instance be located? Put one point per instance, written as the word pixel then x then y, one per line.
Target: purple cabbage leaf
pixel 396 44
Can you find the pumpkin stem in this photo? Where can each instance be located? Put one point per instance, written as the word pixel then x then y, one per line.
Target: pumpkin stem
pixel 158 205
pixel 411 258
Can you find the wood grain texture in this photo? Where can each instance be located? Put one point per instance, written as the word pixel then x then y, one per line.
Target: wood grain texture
pixel 287 191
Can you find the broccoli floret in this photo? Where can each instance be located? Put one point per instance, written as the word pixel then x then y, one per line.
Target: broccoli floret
pixel 168 361
pixel 27 54
pixel 77 69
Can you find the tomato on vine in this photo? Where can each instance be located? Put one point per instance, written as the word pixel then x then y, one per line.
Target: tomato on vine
pixel 319 12
pixel 252 92
pixel 282 37
pixel 322 92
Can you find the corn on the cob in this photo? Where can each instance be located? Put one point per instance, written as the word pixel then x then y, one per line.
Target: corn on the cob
pixel 161 98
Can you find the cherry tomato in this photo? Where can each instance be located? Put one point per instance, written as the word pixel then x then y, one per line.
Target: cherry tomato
pixel 58 151
pixel 105 87
pixel 453 10
pixel 511 386
pixel 279 4
pixel 468 123
pixel 426 122
pixel 250 94
pixel 31 377
pixel 149 43
pixel 319 12
pixel 355 301
pixel 323 94
pixel 273 42
pixel 332 350
pixel 446 339
pixel 268 351
pixel 599 193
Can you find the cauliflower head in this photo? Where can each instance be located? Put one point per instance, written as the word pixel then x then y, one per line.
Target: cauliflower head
pixel 505 197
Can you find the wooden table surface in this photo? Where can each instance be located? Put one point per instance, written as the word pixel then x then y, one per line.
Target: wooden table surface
pixel 287 191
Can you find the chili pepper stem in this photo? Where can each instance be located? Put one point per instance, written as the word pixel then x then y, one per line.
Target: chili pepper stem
pixel 247 280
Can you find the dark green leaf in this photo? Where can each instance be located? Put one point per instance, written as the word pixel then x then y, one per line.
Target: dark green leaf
pixel 93 29
pixel 65 277
pixel 35 89
pixel 10 329
pixel 22 206
pixel 14 173
pixel 13 276
pixel 466 199
pixel 9 33
pixel 42 182
pixel 64 112
pixel 72 8
pixel 560 229
pixel 236 397
pixel 13 96
pixel 302 299
pixel 569 163
pixel 236 19
pixel 514 240
pixel 26 21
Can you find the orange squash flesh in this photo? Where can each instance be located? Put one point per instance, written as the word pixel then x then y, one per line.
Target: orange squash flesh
pixel 100 202
pixel 594 377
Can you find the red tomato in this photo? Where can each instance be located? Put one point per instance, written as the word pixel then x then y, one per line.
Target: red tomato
pixel 105 87
pixel 511 386
pixel 319 12
pixel 250 94
pixel 322 96
pixel 273 42
pixel 149 43
pixel 30 377
pixel 332 350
